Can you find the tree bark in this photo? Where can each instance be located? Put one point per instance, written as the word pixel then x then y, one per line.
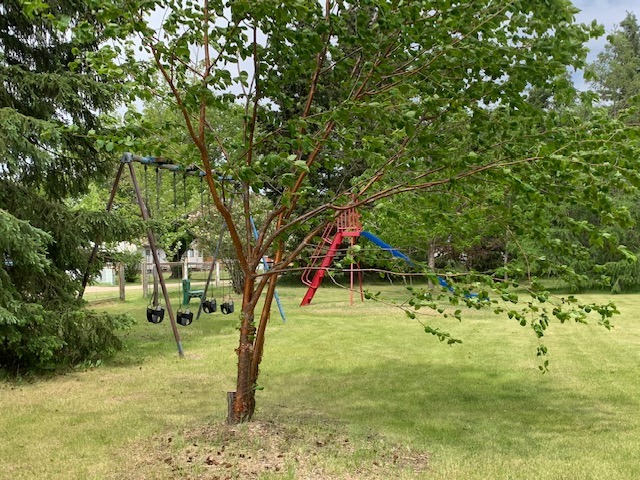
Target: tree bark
pixel 121 281
pixel 431 259
pixel 244 399
pixel 236 274
pixel 176 271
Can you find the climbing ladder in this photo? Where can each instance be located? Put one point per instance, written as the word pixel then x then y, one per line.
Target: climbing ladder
pixel 319 253
pixel 347 225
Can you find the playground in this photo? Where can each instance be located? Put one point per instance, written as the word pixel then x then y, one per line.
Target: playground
pixel 345 227
pixel 349 391
pixel 375 240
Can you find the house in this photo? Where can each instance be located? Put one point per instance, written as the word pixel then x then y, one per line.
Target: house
pixel 193 257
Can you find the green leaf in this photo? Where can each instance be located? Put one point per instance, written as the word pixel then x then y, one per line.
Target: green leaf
pixel 302 165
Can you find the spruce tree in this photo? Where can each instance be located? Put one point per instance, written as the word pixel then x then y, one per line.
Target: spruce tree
pixel 616 72
pixel 49 107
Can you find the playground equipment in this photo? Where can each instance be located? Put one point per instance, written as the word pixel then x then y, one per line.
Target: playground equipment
pixel 346 226
pixel 155 311
pixel 209 306
pixel 188 294
pixel 127 161
pixel 184 317
pixel 227 307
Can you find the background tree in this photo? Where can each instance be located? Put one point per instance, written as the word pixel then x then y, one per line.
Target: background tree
pixel 615 74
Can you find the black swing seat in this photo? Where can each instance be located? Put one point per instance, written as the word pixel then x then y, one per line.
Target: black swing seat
pixel 209 306
pixel 155 314
pixel 227 307
pixel 188 294
pixel 184 318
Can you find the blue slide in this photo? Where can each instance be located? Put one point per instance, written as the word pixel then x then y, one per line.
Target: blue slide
pixel 397 253
pixel 385 246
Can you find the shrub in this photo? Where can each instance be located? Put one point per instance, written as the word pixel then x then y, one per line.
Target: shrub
pixel 32 338
pixel 132 261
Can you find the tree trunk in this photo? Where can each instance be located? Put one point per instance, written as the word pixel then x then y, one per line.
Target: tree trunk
pixel 236 275
pixel 241 403
pixel 176 272
pixel 244 401
pixel 431 259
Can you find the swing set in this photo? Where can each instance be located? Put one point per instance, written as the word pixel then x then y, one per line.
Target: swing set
pixel 155 311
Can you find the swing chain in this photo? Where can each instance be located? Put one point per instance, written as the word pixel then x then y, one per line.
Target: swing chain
pixel 184 191
pixel 146 190
pixel 175 193
pixel 158 185
pixel 183 317
pixel 227 306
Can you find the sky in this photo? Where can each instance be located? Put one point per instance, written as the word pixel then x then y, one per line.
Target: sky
pixel 606 12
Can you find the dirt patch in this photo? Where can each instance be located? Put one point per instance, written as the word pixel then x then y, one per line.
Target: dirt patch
pixel 267 450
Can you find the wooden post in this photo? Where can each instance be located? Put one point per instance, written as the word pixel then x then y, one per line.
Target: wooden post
pixel 217 273
pixel 231 399
pixel 145 279
pixel 121 280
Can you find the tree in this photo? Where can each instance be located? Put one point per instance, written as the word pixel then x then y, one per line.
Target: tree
pixel 404 77
pixel 615 76
pixel 48 109
pixel 616 73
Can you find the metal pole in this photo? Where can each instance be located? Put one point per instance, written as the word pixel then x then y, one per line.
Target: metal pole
pixel 351 276
pixel 156 259
pixel 94 252
pixel 266 268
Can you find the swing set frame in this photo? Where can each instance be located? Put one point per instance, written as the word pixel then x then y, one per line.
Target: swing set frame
pixel 128 160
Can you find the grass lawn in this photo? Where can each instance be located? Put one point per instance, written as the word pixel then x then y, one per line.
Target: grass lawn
pixel 350 392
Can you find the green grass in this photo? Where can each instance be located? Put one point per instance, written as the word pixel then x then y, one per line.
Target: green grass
pixel 349 392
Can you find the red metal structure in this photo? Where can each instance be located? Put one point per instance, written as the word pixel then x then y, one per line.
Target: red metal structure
pixel 347 225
